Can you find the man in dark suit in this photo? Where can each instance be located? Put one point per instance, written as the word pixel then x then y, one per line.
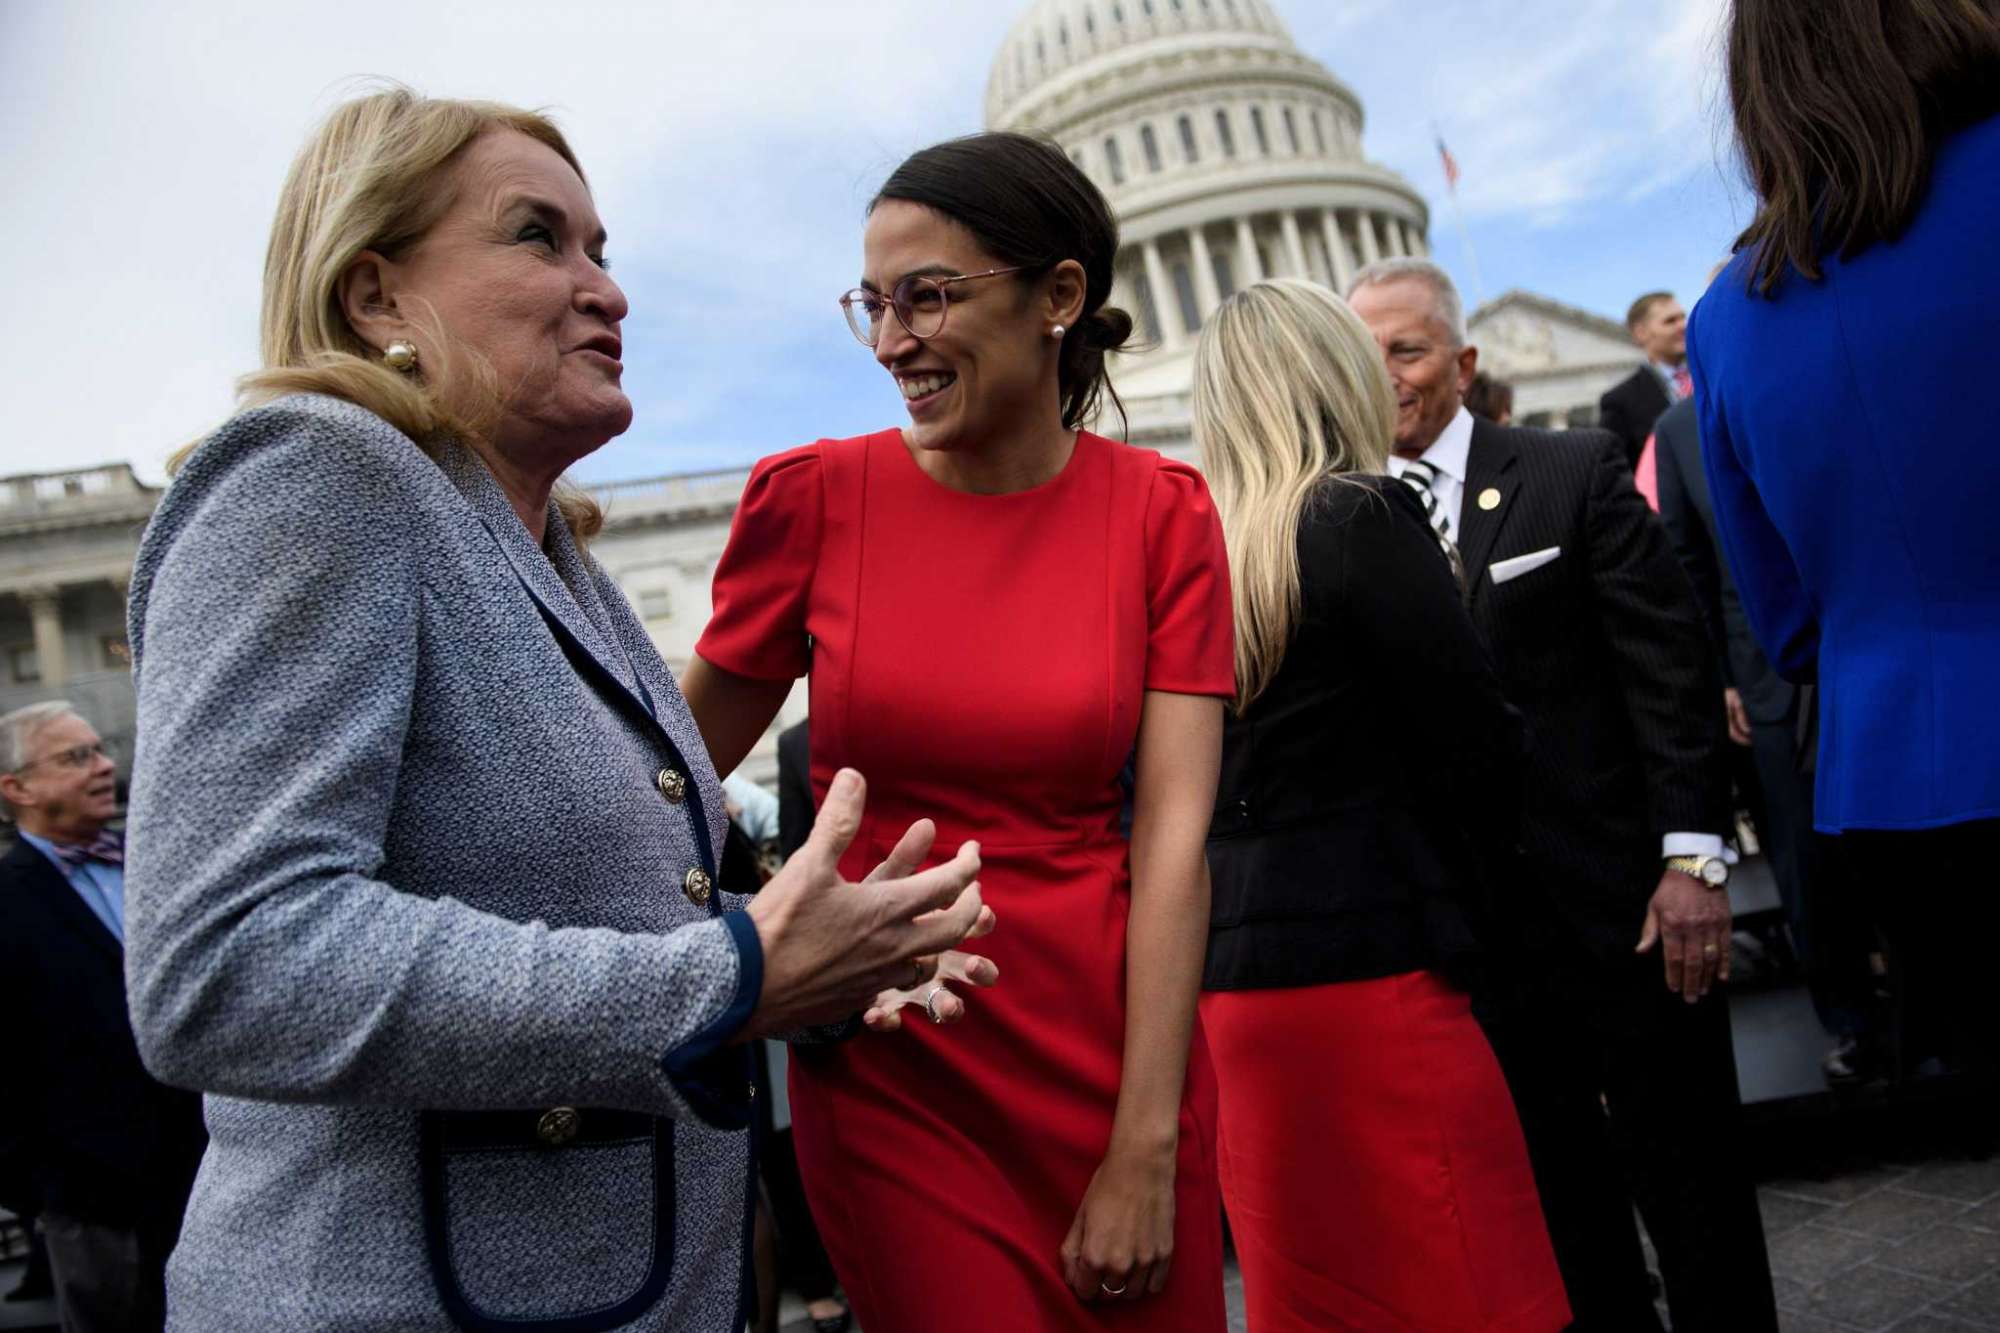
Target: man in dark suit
pixel 1629 408
pixel 1763 710
pixel 1597 640
pixel 106 1152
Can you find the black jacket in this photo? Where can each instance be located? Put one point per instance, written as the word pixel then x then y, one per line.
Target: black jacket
pixel 1690 518
pixel 1603 650
pixel 1368 789
pixel 85 1131
pixel 1629 408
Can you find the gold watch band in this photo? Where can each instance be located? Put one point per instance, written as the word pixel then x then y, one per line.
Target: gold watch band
pixel 1691 866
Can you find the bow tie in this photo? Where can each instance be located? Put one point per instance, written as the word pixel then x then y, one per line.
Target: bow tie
pixel 108 847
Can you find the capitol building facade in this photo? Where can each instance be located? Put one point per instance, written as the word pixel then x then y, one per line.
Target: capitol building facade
pixel 1228 154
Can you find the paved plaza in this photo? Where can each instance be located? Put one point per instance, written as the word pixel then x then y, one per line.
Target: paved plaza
pixel 1890 1237
pixel 1895 1241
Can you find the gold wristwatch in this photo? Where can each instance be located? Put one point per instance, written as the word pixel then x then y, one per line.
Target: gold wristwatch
pixel 1711 871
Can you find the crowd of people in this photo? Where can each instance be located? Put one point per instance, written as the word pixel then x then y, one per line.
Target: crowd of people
pixel 1336 836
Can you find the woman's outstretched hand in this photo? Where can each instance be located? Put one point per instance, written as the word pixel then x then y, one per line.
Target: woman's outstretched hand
pixel 831 947
pixel 966 969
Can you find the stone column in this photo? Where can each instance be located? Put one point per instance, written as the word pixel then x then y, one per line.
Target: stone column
pixel 1399 240
pixel 1371 245
pixel 1166 301
pixel 45 608
pixel 1207 295
pixel 1418 245
pixel 1336 250
pixel 1247 257
pixel 1295 249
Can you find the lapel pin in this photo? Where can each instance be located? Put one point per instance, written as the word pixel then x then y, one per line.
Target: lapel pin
pixel 1489 498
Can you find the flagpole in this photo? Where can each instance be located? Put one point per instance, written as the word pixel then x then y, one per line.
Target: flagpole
pixel 1458 217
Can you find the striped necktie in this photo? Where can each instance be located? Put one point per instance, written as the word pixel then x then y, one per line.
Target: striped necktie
pixel 1420 476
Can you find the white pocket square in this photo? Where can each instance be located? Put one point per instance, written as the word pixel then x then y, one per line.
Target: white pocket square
pixel 1502 570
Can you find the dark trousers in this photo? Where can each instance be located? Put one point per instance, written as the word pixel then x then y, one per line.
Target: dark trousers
pixel 1934 891
pixel 1627 1094
pixel 1831 929
pixel 108 1279
pixel 801 1255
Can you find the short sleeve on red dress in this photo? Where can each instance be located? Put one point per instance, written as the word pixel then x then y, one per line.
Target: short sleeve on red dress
pixel 1190 637
pixel 762 585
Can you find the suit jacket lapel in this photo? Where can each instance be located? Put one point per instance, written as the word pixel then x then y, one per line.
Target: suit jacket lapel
pixel 1489 468
pixel 38 876
pixel 538 572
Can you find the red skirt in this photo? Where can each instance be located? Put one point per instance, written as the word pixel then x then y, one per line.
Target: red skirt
pixel 1372 1164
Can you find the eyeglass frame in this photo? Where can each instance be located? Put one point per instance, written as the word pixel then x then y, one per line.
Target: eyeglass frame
pixel 72 756
pixel 848 299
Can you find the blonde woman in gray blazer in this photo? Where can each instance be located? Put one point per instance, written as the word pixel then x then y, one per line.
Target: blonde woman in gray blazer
pixel 423 836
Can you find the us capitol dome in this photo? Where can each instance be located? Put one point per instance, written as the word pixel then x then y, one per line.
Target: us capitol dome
pixel 1227 153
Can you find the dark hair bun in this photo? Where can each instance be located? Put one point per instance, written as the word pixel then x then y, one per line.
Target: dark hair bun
pixel 1105 329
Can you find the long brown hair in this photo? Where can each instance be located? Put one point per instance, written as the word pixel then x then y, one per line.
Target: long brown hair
pixel 1840 106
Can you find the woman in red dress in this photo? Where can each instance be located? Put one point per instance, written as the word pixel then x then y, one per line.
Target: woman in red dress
pixel 1373 1166
pixel 997 609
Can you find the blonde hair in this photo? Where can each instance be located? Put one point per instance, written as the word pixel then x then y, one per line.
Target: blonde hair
pixel 374 177
pixel 1289 390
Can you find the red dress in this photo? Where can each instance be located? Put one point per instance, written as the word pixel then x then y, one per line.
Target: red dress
pixel 981 660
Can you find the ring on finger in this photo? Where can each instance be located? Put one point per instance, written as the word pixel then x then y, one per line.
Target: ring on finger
pixel 1110 1290
pixel 930 1002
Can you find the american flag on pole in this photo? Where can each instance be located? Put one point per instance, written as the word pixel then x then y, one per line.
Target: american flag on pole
pixel 1450 166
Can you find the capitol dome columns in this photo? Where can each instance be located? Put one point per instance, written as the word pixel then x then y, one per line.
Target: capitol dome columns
pixel 1295 249
pixel 1371 245
pixel 1166 305
pixel 1246 254
pixel 1207 296
pixel 1336 250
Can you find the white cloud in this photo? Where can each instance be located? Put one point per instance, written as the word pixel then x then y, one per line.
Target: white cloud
pixel 732 147
pixel 1548 107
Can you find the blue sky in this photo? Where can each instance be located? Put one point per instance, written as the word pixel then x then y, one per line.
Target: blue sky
pixel 732 148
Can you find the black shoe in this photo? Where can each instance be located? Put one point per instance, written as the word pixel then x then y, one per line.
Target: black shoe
pixel 838 1323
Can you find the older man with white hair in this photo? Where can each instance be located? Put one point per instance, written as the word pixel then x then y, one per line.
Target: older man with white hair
pixel 1597 639
pixel 103 1151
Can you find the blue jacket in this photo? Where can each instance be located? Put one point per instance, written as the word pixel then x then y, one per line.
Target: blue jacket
pixel 1848 432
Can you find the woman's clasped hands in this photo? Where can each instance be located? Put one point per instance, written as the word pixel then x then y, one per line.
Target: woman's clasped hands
pixel 833 948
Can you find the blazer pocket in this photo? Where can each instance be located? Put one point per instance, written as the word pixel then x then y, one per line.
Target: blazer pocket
pixel 524 1236
pixel 1500 571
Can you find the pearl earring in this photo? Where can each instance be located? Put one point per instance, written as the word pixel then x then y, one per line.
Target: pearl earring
pixel 400 356
pixel 1057 332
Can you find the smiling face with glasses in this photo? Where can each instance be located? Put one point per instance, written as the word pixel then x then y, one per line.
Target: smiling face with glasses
pixel 68 788
pixel 967 337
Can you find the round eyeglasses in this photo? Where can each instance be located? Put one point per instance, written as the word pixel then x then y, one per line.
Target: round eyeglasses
pixel 919 302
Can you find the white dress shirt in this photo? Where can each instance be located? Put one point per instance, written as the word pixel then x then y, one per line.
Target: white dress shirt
pixel 1451 454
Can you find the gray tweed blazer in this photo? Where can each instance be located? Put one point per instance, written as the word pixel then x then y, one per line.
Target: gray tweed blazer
pixel 414 811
